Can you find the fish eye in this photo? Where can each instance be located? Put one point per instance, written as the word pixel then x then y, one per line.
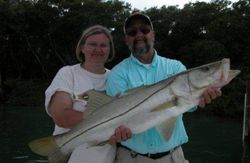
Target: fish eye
pixel 85 96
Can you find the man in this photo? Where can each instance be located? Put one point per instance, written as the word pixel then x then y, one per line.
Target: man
pixel 145 67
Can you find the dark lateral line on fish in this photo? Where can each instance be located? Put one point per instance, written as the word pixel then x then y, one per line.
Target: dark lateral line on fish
pixel 115 116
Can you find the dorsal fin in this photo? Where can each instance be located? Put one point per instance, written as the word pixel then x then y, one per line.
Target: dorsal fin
pixel 95 99
pixel 133 90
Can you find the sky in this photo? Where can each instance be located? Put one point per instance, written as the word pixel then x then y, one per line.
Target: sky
pixel 141 4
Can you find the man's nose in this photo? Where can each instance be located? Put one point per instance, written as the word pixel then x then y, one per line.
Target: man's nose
pixel 139 33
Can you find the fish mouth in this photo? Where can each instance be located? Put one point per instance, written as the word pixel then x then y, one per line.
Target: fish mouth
pixel 222 74
pixel 231 75
pixel 225 68
pixel 227 74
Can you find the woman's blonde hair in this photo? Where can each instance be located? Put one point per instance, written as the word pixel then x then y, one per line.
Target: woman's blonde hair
pixel 96 29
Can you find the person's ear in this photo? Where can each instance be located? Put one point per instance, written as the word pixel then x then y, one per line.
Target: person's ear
pixel 82 48
pixel 153 35
pixel 126 40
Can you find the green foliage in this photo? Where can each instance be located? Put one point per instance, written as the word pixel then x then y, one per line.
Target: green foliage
pixel 38 37
pixel 26 92
pixel 205 51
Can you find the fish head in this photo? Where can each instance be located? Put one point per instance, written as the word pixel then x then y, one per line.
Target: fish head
pixel 216 74
pixel 191 83
pixel 209 74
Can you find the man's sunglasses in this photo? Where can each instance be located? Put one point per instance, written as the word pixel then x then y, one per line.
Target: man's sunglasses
pixel 133 30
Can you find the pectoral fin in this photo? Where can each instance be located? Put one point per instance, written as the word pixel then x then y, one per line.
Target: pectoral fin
pixel 166 105
pixel 166 128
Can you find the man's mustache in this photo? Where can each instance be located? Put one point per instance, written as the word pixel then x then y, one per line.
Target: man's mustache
pixel 144 39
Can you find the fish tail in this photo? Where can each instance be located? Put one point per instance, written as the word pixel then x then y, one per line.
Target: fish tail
pixel 58 157
pixel 48 147
pixel 44 146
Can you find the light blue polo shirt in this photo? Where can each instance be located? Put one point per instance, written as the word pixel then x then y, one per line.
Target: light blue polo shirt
pixel 131 73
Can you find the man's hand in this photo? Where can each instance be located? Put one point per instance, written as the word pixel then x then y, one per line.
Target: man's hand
pixel 209 94
pixel 121 134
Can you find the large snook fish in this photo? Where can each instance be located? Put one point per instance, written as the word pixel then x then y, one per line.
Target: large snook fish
pixel 142 108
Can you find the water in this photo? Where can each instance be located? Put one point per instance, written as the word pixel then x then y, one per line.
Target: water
pixel 18 127
pixel 211 139
pixel 214 140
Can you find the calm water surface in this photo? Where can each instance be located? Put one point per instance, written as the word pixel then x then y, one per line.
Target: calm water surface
pixel 211 139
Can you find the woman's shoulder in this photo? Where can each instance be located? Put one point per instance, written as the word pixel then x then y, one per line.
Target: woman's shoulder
pixel 68 69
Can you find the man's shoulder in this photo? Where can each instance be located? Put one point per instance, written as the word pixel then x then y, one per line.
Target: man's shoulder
pixel 169 60
pixel 170 65
pixel 123 65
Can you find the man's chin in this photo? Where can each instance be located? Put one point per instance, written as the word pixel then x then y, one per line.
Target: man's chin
pixel 140 52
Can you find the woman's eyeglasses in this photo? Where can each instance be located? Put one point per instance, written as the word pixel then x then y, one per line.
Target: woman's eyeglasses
pixel 133 30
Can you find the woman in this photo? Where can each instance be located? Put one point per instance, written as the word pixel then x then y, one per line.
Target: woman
pixel 93 50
